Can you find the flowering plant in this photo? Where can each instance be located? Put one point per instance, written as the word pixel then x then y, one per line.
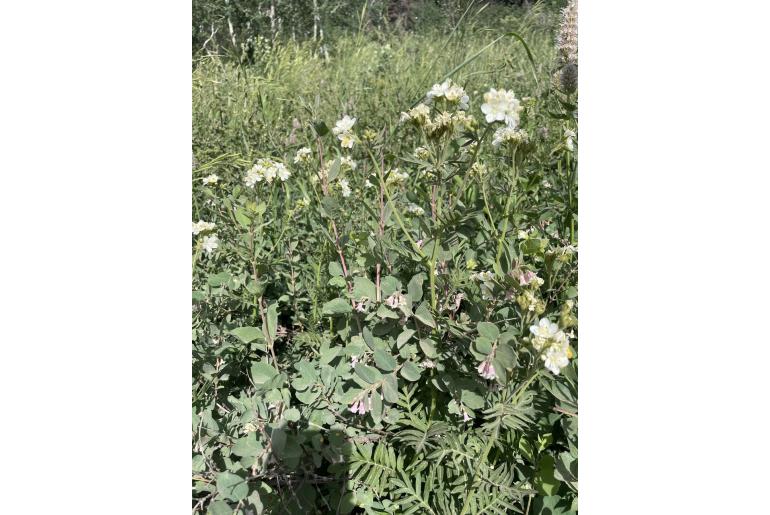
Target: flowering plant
pixel 385 318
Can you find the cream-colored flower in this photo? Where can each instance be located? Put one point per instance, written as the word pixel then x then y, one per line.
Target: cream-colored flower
pixel 501 106
pixel 509 135
pixel 344 125
pixel 210 179
pixel 345 188
pixel 346 140
pixel 415 209
pixel 210 243
pixel 201 226
pixel 303 155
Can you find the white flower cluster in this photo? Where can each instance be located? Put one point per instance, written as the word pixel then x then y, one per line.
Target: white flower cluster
pixel 421 153
pixel 420 115
pixel 453 94
pixel 266 170
pixel 501 106
pixel 345 188
pixel 396 300
pixel 343 130
pixel 552 344
pixel 415 209
pixel 210 243
pixel 211 179
pixel 509 135
pixel 303 155
pixel 395 177
pixel 482 276
pixel 201 226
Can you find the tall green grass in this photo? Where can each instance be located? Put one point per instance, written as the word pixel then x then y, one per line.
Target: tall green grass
pixel 249 109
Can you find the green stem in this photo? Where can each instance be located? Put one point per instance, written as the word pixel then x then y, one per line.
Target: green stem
pixel 507 213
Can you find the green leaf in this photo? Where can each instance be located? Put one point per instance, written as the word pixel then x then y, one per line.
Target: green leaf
pixel 219 279
pixel 248 334
pixel 242 218
pixel 369 374
pixel 471 399
pixel 363 287
pixel 376 406
pixel 545 482
pixel 291 414
pixel 415 287
pixel 423 315
pixel 389 285
pixel 247 446
pixel 384 360
pixel 505 355
pixel 262 372
pixel 320 128
pixel 231 486
pixel 428 347
pixel 488 330
pixel 219 507
pixel 410 371
pixel 272 320
pixel 390 388
pixel 334 170
pixel 404 337
pixel 483 345
pixel 337 306
pixel 335 270
pixel 571 292
pixel 551 505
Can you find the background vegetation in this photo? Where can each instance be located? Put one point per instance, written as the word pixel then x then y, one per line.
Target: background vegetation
pixel 280 358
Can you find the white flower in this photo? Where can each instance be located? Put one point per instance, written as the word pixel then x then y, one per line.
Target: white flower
pixel 201 226
pixel 552 343
pixel 509 134
pixel 210 243
pixel 346 140
pixel 421 153
pixel 415 209
pixel 345 187
pixel 283 172
pixel 501 106
pixel 211 179
pixel 420 115
pixel 555 359
pixel 544 329
pixel 254 176
pixel 344 125
pixel 569 135
pixel 348 161
pixel 303 155
pixel 267 170
pixel 482 276
pixel 396 177
pixel 396 300
pixel 368 184
pixel 438 90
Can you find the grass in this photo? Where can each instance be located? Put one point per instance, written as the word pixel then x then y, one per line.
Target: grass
pixel 248 109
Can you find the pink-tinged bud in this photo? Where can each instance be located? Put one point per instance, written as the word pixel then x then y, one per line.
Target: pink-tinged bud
pixel 526 278
pixel 466 418
pixel 487 370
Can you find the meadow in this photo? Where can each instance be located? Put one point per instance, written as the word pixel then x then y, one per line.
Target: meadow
pixel 384 270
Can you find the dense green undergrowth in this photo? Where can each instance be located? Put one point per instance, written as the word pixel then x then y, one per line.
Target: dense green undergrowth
pixel 385 276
